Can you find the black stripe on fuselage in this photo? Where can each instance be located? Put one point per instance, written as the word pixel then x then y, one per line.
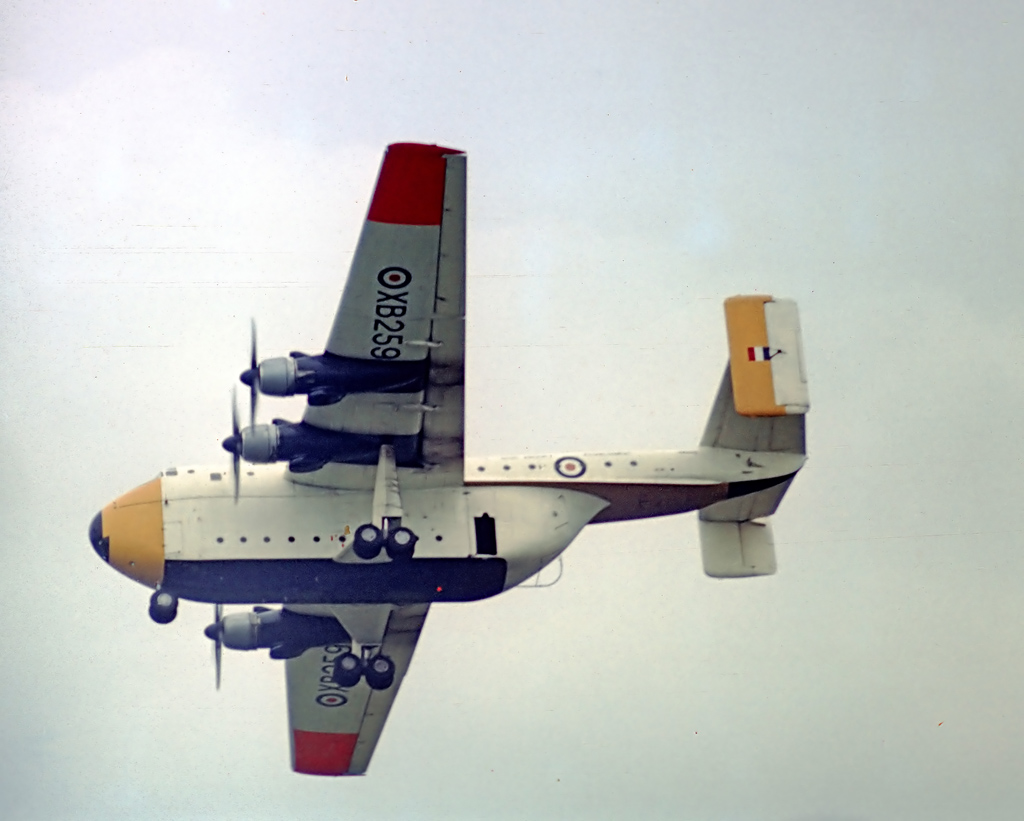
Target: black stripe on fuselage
pixel 756 485
pixel 324 581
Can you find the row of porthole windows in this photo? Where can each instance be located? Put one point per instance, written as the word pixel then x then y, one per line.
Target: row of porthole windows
pixel 220 539
pixel 481 468
pixel 214 477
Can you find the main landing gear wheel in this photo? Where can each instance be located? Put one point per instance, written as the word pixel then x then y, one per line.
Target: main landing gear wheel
pixel 401 543
pixel 380 672
pixel 367 541
pixel 163 607
pixel 347 670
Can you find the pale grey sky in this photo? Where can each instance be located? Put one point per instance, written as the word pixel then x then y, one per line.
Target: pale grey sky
pixel 168 170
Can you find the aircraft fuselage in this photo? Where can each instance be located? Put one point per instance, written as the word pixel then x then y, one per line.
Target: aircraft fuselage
pixel 290 542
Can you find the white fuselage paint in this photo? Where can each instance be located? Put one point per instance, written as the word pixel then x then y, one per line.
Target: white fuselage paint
pixel 276 518
pixel 705 466
pixel 539 504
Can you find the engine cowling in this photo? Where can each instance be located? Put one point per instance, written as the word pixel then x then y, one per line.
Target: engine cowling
pixel 278 376
pixel 286 634
pixel 260 443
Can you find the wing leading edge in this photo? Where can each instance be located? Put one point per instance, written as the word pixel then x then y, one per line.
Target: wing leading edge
pixel 403 306
pixel 335 730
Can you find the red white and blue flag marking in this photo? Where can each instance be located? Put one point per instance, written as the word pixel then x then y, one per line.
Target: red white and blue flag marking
pixel 761 354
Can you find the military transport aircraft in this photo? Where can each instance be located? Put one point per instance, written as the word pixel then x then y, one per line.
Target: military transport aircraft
pixel 361 516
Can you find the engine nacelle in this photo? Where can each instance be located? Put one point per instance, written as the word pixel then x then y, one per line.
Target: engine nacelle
pixel 286 634
pixel 260 443
pixel 307 448
pixel 327 378
pixel 278 376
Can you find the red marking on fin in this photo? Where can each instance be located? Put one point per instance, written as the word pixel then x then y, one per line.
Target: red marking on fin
pixel 410 186
pixel 323 753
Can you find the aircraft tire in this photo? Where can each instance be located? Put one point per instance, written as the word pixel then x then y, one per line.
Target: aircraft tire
pixel 401 543
pixel 348 668
pixel 367 541
pixel 380 672
pixel 163 607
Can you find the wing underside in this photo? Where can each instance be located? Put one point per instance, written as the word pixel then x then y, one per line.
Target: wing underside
pixel 335 730
pixel 404 306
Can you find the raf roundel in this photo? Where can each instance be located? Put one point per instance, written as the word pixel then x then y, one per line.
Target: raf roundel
pixel 331 700
pixel 570 467
pixel 394 277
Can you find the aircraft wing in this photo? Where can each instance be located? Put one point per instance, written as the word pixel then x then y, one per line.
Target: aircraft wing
pixel 404 305
pixel 333 730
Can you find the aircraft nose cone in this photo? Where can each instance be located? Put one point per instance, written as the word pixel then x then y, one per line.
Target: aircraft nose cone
pixel 250 376
pixel 100 543
pixel 233 444
pixel 129 534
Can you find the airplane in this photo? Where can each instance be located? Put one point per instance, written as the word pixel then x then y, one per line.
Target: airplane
pixel 357 519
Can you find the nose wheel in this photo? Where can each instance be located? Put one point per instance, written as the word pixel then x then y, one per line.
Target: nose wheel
pixel 163 607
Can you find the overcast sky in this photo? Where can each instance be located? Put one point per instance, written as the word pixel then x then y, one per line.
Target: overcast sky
pixel 168 170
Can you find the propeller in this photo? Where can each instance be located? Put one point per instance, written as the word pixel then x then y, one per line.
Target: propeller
pixel 215 632
pixel 253 368
pixel 233 444
pixel 251 377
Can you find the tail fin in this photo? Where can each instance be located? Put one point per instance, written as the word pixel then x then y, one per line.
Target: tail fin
pixel 760 408
pixel 766 356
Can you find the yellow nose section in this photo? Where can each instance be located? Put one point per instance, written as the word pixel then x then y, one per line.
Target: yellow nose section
pixel 134 523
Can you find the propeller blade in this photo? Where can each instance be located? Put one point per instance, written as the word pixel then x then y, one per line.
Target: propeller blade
pixel 253 368
pixel 218 646
pixel 236 443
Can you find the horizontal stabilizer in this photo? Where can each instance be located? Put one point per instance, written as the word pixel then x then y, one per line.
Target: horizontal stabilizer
pixel 732 550
pixel 766 356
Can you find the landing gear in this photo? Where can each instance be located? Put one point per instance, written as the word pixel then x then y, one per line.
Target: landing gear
pixel 400 543
pixel 367 541
pixel 347 670
pixel 379 671
pixel 163 607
